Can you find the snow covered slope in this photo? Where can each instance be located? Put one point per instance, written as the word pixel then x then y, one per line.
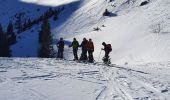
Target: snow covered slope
pixel 51 79
pixel 137 33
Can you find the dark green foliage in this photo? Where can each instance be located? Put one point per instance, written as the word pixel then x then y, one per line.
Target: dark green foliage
pixel 10 29
pixel 45 41
pixel 45 33
pixel 43 51
pixel 55 17
pixel 38 9
pixel 25 26
pixel 18 23
pixel 22 24
pixel 4 45
pixel 29 24
pixel 10 34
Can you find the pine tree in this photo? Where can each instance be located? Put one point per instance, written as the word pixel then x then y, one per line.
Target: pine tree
pixel 18 23
pixel 1 34
pixel 10 29
pixel 4 45
pixel 45 40
pixel 10 34
pixel 55 16
pixel 29 24
pixel 25 25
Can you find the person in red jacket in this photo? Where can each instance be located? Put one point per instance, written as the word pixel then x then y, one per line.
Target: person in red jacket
pixel 90 48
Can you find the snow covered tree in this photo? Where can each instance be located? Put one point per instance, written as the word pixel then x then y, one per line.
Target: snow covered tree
pixel 45 40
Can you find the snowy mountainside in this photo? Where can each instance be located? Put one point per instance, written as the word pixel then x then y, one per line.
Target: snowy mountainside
pixel 137 33
pixel 27 41
pixel 9 8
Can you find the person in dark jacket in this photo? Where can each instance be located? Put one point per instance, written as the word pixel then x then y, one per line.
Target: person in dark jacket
pixel 84 49
pixel 75 45
pixel 90 48
pixel 107 49
pixel 60 46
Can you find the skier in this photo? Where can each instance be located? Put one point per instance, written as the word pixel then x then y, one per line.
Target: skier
pixel 106 13
pixel 107 49
pixel 60 46
pixel 90 48
pixel 84 49
pixel 75 45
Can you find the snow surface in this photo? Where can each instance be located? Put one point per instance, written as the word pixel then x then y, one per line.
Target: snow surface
pixel 51 79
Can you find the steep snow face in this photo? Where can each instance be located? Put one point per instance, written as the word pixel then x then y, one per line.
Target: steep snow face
pixel 49 2
pixel 88 14
pixel 138 33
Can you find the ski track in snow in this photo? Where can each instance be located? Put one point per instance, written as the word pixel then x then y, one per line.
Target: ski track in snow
pixel 20 76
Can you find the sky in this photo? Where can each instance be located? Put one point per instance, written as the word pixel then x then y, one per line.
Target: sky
pixel 49 2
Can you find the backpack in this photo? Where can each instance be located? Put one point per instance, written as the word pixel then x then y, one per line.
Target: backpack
pixel 75 44
pixel 90 46
pixel 109 47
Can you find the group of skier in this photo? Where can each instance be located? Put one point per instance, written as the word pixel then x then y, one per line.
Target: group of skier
pixel 87 46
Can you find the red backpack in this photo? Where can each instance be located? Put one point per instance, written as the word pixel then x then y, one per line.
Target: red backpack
pixel 109 47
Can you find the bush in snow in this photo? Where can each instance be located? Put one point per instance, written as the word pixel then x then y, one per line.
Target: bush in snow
pixel 144 3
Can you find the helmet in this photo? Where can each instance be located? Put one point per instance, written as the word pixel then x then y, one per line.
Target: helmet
pixel 103 43
pixel 61 38
pixel 84 39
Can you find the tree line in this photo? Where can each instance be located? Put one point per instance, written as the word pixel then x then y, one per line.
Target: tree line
pixel 7 39
pixel 22 24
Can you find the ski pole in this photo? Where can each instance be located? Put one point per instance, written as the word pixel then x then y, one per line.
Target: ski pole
pixel 68 53
pixel 99 55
